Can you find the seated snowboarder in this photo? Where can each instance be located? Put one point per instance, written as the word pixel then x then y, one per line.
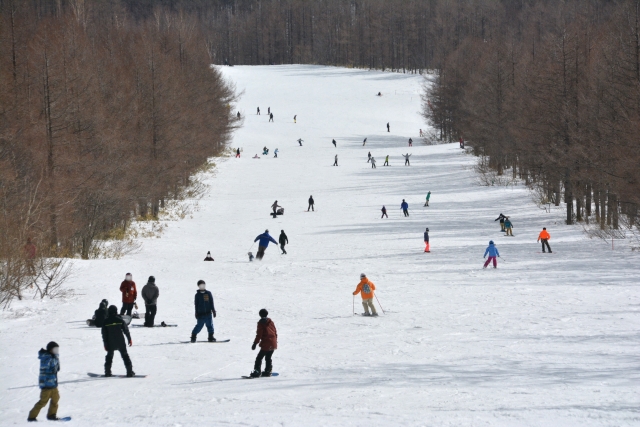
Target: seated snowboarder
pixel 267 337
pixel 100 315
pixel 208 257
pixel 113 333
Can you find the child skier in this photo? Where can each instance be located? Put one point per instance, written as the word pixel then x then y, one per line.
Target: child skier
pixel 366 288
pixel 113 333
pixel 129 294
pixel 405 208
pixel 209 257
pixel 204 308
pixel 426 241
pixel 426 203
pixel 493 253
pixel 267 337
pixel 264 239
pixel 410 142
pixel 508 227
pixel 544 236
pixel 48 382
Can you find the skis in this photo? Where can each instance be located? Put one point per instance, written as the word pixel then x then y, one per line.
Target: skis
pixel 209 342
pixel 92 375
pixel 273 374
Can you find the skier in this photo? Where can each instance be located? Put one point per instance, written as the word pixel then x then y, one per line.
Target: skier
pixel 426 202
pixel 238 153
pixel 205 308
pixel 294 119
pixel 501 218
pixel 269 110
pixel 384 212
pixel 410 142
pixel 100 315
pixel 386 161
pixel 258 110
pixel 300 141
pixel 364 142
pixel 544 236
pixel 426 241
pixel 406 159
pixel 275 153
pixel 129 294
pixel 208 257
pixel 264 239
pixel 405 208
pixel 333 141
pixel 373 162
pixel 421 133
pixel 112 337
pixel 379 94
pixel 388 127
pixel 275 207
pixel 238 114
pixel 312 202
pixel 284 240
pixel 493 253
pixel 267 337
pixel 369 157
pixel 461 142
pixel 335 161
pixel 150 294
pixel 270 117
pixel 48 382
pixel 508 227
pixel 366 288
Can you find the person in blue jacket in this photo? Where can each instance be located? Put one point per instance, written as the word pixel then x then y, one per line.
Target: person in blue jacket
pixel 405 208
pixel 493 253
pixel 264 239
pixel 204 309
pixel 48 382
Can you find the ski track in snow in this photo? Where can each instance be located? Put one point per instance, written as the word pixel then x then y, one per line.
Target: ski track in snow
pixel 544 340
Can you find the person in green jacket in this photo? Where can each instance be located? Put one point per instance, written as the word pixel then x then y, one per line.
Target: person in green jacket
pixel 426 203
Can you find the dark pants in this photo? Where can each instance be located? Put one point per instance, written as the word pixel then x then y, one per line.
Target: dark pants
pixel 206 320
pixel 335 163
pixel 282 247
pixel 386 163
pixel 384 214
pixel 150 315
pixel 109 359
pixel 310 207
pixel 406 212
pixel 406 162
pixel 260 253
pixel 264 355
pixel 546 242
pixel 126 308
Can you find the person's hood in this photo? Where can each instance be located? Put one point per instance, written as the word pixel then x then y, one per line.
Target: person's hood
pixel 44 354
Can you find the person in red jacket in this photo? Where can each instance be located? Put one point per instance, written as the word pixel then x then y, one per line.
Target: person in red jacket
pixel 129 294
pixel 267 337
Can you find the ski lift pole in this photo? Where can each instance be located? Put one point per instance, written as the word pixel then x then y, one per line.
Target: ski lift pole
pixel 379 303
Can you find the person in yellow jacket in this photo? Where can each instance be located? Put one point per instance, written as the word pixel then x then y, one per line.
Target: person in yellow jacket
pixel 366 288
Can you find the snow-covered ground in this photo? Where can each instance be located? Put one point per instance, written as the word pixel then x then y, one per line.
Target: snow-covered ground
pixel 544 340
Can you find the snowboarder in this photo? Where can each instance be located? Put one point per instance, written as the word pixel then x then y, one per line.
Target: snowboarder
pixel 410 142
pixel 238 153
pixel 264 239
pixel 369 157
pixel 508 227
pixel 48 382
pixel 388 127
pixel 284 240
pixel 150 294
pixel 270 117
pixel 405 208
pixel 129 294
pixel 275 153
pixel 406 159
pixel 275 207
pixel 333 141
pixel 426 241
pixel 501 218
pixel 204 308
pixel 373 162
pixel 300 141
pixel 545 236
pixel 294 119
pixel 311 203
pixel 386 161
pixel 267 337
pixel 113 333
pixel 208 257
pixel 100 315
pixel 258 110
pixel 426 202
pixel 379 94
pixel 265 151
pixel 384 212
pixel 493 253
pixel 335 161
pixel 366 288
pixel 364 142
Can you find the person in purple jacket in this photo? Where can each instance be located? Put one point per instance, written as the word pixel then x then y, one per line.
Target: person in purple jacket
pixel 264 240
pixel 493 253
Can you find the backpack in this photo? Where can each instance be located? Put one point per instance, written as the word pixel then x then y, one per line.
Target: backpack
pixel 366 289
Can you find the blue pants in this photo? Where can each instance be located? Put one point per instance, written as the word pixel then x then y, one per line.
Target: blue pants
pixel 206 320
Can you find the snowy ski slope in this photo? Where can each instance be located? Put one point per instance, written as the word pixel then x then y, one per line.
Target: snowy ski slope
pixel 544 340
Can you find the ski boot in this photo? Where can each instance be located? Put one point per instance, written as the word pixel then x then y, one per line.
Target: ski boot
pixel 53 417
pixel 374 315
pixel 211 338
pixel 255 374
pixel 107 373
pixel 130 373
pixel 32 419
pixel 266 373
pixel 366 314
pixel 193 338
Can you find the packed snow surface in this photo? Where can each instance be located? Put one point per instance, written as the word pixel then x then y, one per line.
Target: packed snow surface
pixel 543 340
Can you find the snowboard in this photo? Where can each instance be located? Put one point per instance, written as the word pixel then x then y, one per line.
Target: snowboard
pixel 208 342
pixel 62 419
pixel 92 375
pixel 273 374
pixel 162 325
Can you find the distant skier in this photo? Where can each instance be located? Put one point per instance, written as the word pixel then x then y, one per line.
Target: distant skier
pixel 493 253
pixel 295 119
pixel 365 288
pixel 205 311
pixel 369 157
pixel 264 239
pixel 386 161
pixel 335 161
pixel 508 227
pixel 275 207
pixel 129 294
pixel 258 111
pixel 410 142
pixel 405 208
pixel 113 333
pixel 421 133
pixel 388 127
pixel 364 142
pixel 150 294
pixel 406 159
pixel 267 337
pixel 384 212
pixel 333 141
pixel 501 218
pixel 545 236
pixel 311 203
pixel 237 153
pixel 283 240
pixel 373 162
pixel 270 117
pixel 209 257
pixel 461 142
pixel 238 114
pixel 48 382
pixel 426 241
pixel 300 141
pixel 269 110
pixel 275 153
pixel 426 202
pixel 379 94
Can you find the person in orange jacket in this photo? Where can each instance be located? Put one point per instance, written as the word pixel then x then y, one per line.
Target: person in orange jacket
pixel 129 294
pixel 366 288
pixel 544 236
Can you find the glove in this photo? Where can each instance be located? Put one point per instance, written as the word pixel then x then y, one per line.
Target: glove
pixel 214 314
pixel 253 347
pixel 130 343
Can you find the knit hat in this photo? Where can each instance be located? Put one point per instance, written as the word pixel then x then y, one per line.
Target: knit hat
pixel 263 312
pixel 491 242
pixel 51 346
pixel 152 279
pixel 266 231
pixel 113 310
pixel 362 275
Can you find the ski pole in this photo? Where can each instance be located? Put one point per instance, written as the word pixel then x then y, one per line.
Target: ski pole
pixel 379 303
pixel 252 246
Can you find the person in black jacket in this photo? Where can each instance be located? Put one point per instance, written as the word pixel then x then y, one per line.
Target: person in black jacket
pixel 283 240
pixel 113 333
pixel 150 294
pixel 203 303
pixel 101 314
pixel 501 218
pixel 311 203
